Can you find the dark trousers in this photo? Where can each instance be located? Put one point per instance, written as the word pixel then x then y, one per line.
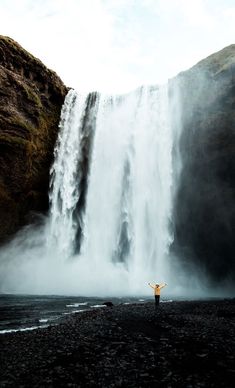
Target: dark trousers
pixel 157 300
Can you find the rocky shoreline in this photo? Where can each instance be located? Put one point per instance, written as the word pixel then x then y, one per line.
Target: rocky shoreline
pixel 182 344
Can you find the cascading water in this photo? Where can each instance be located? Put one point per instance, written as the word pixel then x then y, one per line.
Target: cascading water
pixel 108 230
pixel 125 230
pixel 66 175
pixel 64 193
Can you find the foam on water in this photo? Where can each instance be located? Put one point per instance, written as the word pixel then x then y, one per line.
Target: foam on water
pixel 23 329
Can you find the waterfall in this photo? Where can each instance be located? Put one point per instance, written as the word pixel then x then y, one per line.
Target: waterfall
pixel 123 226
pixel 108 231
pixel 66 174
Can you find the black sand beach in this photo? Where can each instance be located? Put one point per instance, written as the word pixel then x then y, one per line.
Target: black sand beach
pixel 183 344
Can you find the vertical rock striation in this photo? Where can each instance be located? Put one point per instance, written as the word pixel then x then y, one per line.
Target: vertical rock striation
pixel 31 97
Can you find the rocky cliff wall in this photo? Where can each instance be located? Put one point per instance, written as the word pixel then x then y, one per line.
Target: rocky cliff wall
pixel 204 210
pixel 31 97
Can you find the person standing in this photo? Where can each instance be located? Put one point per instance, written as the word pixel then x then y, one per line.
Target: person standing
pixel 157 291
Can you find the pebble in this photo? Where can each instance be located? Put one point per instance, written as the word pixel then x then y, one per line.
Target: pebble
pixel 124 346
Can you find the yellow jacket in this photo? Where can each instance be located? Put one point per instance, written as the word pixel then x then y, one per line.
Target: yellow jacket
pixel 157 289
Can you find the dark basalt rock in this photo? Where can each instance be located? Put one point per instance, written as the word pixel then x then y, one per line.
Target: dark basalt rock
pixel 204 209
pixel 31 97
pixel 185 345
pixel 108 304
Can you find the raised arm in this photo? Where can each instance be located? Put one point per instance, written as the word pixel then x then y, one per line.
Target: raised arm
pixel 162 285
pixel 150 285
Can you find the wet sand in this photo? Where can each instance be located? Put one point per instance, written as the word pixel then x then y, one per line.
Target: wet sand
pixel 181 344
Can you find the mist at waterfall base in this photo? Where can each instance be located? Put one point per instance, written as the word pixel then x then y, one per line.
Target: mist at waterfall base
pixel 109 227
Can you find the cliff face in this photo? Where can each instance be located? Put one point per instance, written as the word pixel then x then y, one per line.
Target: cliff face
pixel 31 97
pixel 204 210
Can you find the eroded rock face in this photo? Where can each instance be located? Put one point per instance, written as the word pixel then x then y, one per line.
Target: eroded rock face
pixel 204 210
pixel 31 97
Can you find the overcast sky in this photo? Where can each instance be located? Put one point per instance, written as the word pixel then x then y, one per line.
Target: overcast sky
pixel 117 45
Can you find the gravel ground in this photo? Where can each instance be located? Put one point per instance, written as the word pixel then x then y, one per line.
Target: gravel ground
pixel 181 344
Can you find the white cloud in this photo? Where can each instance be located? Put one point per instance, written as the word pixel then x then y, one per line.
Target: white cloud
pixel 116 45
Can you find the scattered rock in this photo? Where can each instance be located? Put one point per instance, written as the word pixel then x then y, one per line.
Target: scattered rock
pixel 88 350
